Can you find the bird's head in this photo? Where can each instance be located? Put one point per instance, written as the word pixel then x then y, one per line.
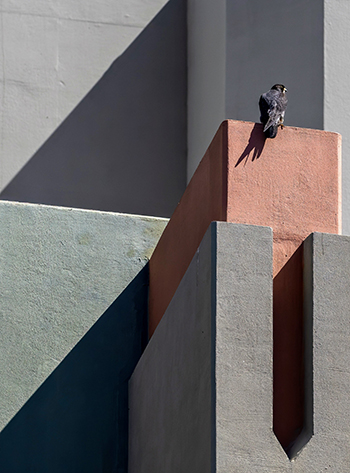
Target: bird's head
pixel 280 88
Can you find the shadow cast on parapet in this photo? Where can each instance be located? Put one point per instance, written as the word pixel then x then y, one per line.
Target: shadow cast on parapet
pixel 77 421
pixel 123 148
pixel 255 144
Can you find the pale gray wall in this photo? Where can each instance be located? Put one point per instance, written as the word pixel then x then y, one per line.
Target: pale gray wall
pixel 73 323
pixel 122 146
pixel 206 21
pixel 53 53
pixel 336 87
pixel 269 43
pixel 253 45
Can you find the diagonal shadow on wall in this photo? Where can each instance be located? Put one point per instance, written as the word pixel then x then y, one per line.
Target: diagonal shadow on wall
pixel 123 148
pixel 77 421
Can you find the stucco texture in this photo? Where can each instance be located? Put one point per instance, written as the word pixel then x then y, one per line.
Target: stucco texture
pixel 73 323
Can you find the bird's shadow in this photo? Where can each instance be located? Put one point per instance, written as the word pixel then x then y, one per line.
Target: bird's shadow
pixel 255 144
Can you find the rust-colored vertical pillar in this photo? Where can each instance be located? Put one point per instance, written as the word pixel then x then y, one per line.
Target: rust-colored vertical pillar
pixel 290 183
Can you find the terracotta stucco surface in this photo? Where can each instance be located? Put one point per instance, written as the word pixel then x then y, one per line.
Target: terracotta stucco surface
pixel 290 183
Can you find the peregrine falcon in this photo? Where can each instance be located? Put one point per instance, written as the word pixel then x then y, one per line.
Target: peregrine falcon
pixel 272 106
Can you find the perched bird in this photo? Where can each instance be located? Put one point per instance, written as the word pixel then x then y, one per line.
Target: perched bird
pixel 272 106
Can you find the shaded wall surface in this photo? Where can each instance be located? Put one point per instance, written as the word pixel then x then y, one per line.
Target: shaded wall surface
pixel 73 323
pixel 123 148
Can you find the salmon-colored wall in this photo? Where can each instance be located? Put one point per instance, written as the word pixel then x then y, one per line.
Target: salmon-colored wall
pixel 204 201
pixel 290 183
pixel 293 187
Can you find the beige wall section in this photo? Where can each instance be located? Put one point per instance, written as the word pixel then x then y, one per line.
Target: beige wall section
pixel 52 53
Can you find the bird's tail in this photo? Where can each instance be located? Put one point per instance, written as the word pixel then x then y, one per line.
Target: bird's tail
pixel 271 131
pixel 268 124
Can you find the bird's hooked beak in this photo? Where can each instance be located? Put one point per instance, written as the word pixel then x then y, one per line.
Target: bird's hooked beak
pixel 285 90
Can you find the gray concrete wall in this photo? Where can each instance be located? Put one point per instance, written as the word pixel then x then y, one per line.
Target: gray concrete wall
pixel 93 101
pixel 267 44
pixel 73 323
pixel 53 53
pixel 206 22
pixel 327 310
pixel 336 90
pixel 256 44
pixel 200 397
pixel 170 390
pixel 243 351
pixel 53 57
